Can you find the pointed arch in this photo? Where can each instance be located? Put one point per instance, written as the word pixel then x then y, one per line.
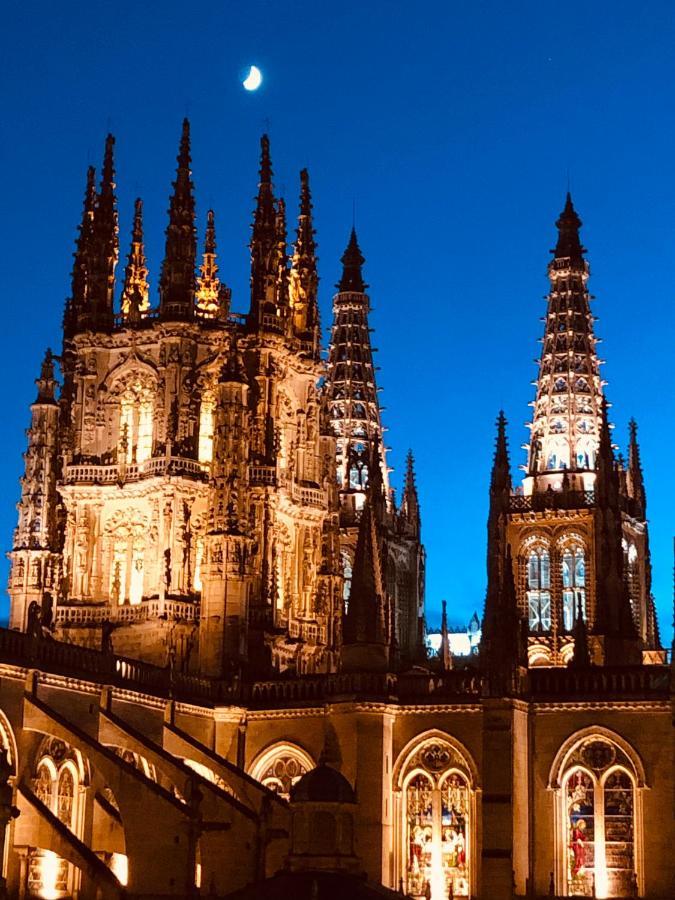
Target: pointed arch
pixel 575 739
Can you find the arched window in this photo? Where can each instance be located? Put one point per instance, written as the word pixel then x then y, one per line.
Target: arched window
pixel 539 589
pixel 280 766
pixel 207 410
pixel 574 585
pixel 436 822
pixel 135 422
pixel 558 454
pixel 56 784
pixel 598 843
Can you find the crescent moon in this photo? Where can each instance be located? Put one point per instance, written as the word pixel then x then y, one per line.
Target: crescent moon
pixel 253 80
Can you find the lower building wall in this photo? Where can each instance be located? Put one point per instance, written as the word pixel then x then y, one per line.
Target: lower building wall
pixel 470 796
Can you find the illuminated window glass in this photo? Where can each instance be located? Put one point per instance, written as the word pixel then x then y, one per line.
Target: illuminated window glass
pixel 539 590
pixel 574 585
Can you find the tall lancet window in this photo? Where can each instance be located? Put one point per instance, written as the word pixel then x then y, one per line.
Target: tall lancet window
pixel 599 844
pixel 436 804
pixel 539 589
pixel 135 423
pixel 207 410
pixel 574 585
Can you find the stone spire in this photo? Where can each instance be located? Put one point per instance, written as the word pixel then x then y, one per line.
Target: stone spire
pixel 352 262
pixel 365 627
pixel 501 644
pixel 614 622
pixel 352 391
pixel 78 302
pixel 304 280
pixel 105 245
pixel 410 505
pixel 635 479
pixel 90 307
pixel 269 277
pixel 566 419
pixel 36 544
pixel 177 281
pixel 569 245
pixel 136 292
pixel 445 653
pixel 46 383
pixel 213 297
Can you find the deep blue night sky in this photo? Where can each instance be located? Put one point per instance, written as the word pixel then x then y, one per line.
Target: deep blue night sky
pixel 453 127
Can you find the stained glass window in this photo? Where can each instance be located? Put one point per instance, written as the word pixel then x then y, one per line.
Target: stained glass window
pixel 436 828
pixel 574 585
pixel 620 863
pixel 580 834
pixel 420 819
pixel 539 590
pixel 599 807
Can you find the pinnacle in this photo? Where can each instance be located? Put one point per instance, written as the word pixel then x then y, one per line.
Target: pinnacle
pixel 265 161
pixel 210 239
pixel 568 225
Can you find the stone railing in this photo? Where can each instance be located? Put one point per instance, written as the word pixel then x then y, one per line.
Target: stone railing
pixel 459 686
pixel 94 614
pixel 262 475
pixel 307 496
pixel 86 473
pixel 552 500
pixel 600 683
pixel 75 661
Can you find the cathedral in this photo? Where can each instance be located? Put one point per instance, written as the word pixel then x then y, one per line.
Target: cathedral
pixel 216 679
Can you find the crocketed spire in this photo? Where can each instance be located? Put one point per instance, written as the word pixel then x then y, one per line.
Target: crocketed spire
pixel 177 282
pixel 304 281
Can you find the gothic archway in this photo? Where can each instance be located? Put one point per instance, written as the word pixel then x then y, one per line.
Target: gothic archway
pixel 435 784
pixel 598 781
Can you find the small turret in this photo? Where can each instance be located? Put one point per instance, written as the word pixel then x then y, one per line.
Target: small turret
pixel 410 506
pixel 136 292
pixel 213 297
pixel 177 282
pixel 635 479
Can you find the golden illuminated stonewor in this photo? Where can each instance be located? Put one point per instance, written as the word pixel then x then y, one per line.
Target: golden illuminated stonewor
pixel 216 678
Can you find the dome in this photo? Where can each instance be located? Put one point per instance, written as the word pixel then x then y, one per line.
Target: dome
pixel 323 785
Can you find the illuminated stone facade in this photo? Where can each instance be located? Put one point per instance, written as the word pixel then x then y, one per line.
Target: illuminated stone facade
pixel 214 681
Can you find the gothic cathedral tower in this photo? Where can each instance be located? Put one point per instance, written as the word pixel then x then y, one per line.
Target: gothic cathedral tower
pixel 570 549
pixel 192 495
